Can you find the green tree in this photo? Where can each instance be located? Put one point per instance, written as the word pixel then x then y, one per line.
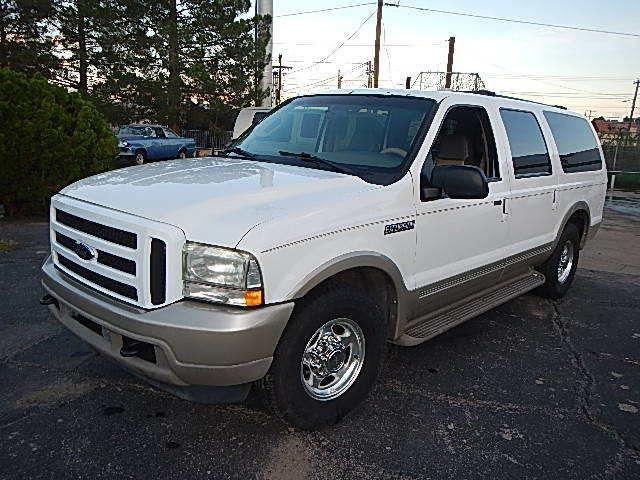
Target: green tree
pixel 182 52
pixel 26 40
pixel 100 38
pixel 49 138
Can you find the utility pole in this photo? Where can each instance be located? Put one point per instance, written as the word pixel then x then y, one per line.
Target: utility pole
pixel 278 68
pixel 452 45
pixel 265 7
pixel 340 77
pixel 407 83
pixel 376 53
pixel 369 74
pixel 633 104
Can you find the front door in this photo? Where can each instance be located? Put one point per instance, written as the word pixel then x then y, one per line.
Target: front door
pixel 460 243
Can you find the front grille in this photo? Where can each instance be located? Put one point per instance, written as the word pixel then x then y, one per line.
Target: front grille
pixel 105 258
pixel 110 234
pixel 115 286
pixel 123 264
pixel 158 271
pixel 130 258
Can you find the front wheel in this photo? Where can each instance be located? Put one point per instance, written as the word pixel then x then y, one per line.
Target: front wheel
pixel 140 157
pixel 182 154
pixel 328 358
pixel 560 268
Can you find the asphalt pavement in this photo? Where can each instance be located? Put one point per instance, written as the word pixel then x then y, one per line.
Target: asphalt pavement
pixel 532 389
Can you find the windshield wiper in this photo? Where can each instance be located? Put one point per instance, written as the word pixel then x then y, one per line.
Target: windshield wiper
pixel 319 160
pixel 238 151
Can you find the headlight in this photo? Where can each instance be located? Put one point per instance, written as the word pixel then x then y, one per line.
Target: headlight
pixel 123 144
pixel 221 275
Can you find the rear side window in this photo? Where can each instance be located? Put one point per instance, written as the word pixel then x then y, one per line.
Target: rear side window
pixel 528 149
pixel 577 145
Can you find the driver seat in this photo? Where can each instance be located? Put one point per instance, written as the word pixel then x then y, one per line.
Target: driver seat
pixel 454 149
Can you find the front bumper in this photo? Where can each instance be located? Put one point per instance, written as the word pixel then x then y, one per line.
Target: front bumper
pixel 125 158
pixel 201 352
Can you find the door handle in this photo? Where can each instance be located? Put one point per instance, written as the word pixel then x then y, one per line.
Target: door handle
pixel 497 202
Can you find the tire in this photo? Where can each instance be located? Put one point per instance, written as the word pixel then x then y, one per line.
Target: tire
pixel 182 154
pixel 285 389
pixel 567 252
pixel 140 157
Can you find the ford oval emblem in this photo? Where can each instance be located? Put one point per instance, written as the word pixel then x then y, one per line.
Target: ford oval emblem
pixel 85 252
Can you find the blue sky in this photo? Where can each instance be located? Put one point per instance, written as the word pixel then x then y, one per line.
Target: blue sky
pixel 584 71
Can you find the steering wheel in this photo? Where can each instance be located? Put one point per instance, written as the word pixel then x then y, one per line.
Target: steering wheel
pixel 394 151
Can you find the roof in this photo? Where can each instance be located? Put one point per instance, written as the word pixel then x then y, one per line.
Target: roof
pixel 438 95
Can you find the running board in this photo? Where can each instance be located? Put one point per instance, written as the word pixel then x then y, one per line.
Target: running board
pixel 442 320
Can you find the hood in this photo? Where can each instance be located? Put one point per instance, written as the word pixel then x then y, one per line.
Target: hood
pixel 215 200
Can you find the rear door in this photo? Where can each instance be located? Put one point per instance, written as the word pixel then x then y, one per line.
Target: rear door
pixel 531 204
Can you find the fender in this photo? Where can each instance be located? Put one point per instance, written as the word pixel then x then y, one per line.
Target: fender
pixel 578 206
pixel 353 260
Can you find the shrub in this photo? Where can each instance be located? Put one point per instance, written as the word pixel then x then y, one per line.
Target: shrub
pixel 48 138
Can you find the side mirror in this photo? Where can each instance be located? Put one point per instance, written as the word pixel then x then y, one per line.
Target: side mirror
pixel 458 181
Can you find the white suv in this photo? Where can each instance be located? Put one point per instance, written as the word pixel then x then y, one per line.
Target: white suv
pixel 341 222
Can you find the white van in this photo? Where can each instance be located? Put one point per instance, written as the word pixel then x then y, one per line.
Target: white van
pixel 247 117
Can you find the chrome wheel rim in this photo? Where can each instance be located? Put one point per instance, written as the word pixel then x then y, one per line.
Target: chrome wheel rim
pixel 183 155
pixel 139 159
pixel 332 359
pixel 565 264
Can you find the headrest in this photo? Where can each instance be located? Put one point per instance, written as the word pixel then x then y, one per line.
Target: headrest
pixel 454 147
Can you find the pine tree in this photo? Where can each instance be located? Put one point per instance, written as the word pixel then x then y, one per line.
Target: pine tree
pixel 26 39
pixel 183 52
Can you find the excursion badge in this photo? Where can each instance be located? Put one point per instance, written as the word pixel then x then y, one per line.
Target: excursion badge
pixel 399 227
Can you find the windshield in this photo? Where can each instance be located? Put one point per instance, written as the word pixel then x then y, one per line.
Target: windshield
pixel 142 130
pixel 371 136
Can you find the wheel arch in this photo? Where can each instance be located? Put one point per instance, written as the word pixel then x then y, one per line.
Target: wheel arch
pixel 375 272
pixel 580 215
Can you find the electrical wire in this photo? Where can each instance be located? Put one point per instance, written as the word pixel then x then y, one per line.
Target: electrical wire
pixel 516 20
pixel 340 45
pixel 321 10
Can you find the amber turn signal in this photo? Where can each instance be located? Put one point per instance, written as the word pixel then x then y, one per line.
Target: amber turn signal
pixel 253 298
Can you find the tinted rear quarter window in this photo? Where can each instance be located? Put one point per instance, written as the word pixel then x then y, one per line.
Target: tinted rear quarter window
pixel 577 145
pixel 528 149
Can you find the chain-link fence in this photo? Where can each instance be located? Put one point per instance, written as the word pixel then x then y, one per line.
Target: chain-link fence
pixel 622 155
pixel 208 139
pixel 621 152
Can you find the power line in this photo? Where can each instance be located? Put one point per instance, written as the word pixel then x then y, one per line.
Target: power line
pixel 321 10
pixel 545 82
pixel 516 20
pixel 566 78
pixel 335 50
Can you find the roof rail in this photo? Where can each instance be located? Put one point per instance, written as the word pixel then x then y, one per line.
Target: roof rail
pixel 490 93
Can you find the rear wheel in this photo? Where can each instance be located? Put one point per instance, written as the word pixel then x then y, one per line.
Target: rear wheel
pixel 328 358
pixel 560 268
